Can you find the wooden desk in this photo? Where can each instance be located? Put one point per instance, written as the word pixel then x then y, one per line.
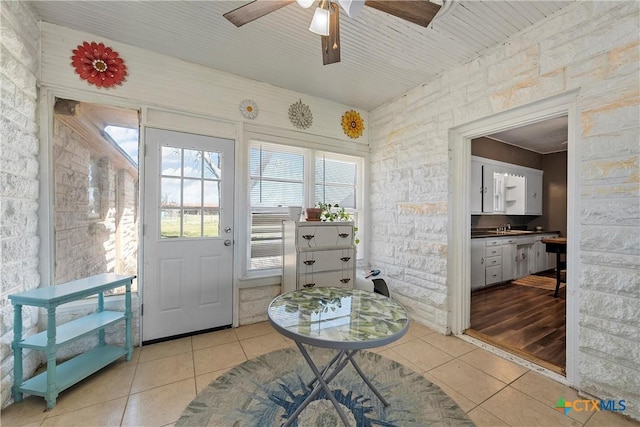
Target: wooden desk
pixel 557 245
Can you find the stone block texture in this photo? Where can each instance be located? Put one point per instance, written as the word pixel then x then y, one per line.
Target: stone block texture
pixel 19 243
pixel 590 46
pixel 254 303
pixel 97 234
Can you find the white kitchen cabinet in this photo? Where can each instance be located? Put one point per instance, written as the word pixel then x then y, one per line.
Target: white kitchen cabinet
pixel 477 264
pixel 318 253
pixel 494 274
pixel 544 260
pixel 514 194
pixel 476 188
pixel 493 261
pixel 488 189
pixel 525 256
pixel 501 259
pixel 533 183
pixel 522 261
pixel 541 256
pixel 509 253
pixel 504 188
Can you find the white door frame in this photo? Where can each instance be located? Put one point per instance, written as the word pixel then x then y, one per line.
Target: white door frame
pixel 459 224
pixel 168 119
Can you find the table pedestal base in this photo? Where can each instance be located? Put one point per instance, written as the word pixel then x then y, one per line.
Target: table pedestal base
pixel 333 368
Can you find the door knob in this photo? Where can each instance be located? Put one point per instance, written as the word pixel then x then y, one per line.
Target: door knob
pixel 227 229
pixel 227 242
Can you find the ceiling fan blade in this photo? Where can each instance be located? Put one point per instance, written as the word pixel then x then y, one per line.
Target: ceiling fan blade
pixel 419 12
pixel 254 10
pixel 331 43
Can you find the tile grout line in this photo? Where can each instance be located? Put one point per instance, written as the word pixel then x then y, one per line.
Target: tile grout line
pixel 133 377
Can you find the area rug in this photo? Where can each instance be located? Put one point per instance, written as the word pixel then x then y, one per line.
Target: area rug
pixel 264 391
pixel 542 282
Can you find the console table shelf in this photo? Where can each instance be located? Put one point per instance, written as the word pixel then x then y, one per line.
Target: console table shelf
pixel 74 370
pixel 74 329
pixel 56 378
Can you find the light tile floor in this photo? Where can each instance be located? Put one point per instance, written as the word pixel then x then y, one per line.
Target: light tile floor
pixel 155 387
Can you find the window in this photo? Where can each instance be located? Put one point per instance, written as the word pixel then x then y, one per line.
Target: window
pixel 126 139
pixel 190 193
pixel 283 176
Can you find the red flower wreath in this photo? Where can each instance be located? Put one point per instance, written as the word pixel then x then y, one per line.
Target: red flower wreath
pixel 99 65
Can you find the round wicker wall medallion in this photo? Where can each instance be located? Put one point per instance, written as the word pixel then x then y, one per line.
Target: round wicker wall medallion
pixel 300 115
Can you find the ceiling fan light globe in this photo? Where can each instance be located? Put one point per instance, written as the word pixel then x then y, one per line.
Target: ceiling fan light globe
pixel 305 3
pixel 352 7
pixel 320 22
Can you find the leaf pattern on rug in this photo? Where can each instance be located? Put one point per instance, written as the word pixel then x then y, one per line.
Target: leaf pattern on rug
pixel 264 391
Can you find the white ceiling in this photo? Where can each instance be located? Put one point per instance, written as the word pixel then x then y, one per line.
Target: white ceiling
pixel 382 56
pixel 548 136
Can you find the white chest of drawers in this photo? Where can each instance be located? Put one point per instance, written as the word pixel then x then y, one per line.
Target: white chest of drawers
pixel 318 254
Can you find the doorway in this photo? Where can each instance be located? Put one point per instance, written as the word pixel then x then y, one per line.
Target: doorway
pixel 95 182
pixel 460 210
pixel 515 307
pixel 188 238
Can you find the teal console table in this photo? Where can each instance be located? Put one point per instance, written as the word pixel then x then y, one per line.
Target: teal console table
pixel 56 378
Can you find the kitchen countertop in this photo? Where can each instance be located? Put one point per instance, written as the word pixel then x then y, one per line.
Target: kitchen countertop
pixel 493 233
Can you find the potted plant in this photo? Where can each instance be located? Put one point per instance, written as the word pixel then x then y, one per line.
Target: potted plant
pixel 332 212
pixel 313 214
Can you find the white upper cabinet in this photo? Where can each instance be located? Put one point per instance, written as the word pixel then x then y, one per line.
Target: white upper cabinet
pixel 499 181
pixel 514 194
pixel 534 193
pixel 503 188
pixel 476 188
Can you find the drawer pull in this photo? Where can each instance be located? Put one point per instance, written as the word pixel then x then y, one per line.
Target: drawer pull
pixel 308 236
pixel 347 280
pixel 309 285
pixel 345 258
pixel 344 235
pixel 310 262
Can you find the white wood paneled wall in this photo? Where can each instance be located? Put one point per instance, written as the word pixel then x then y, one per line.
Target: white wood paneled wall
pixel 162 81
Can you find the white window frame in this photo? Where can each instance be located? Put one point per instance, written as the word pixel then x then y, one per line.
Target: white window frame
pixel 311 144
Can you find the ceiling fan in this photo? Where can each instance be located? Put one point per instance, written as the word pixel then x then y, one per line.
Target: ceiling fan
pixel 325 20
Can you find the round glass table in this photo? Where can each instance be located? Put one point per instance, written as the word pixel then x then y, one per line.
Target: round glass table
pixel 347 320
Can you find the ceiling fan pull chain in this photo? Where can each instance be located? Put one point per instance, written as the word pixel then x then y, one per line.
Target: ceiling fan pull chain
pixel 335 24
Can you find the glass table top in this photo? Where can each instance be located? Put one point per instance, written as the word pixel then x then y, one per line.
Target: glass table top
pixel 338 317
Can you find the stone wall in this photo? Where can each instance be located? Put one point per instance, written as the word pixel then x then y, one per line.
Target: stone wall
pixel 590 46
pixel 19 243
pixel 254 303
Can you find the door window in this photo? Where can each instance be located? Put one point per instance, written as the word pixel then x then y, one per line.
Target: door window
pixel 190 182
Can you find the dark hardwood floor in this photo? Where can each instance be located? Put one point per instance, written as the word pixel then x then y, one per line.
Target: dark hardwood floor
pixel 526 321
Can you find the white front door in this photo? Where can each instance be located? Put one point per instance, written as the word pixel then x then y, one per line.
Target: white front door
pixel 188 223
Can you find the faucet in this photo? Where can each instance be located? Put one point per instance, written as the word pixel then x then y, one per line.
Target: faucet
pixel 502 229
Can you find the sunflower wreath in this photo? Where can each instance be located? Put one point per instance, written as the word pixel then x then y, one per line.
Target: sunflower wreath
pixel 352 124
